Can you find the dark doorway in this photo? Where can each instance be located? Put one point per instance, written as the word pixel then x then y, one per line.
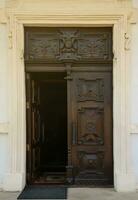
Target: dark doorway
pixel 69 105
pixel 51 135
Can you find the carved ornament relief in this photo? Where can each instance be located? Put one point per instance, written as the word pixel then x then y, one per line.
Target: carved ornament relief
pixel 68 44
pixel 92 162
pixel 90 90
pixel 90 123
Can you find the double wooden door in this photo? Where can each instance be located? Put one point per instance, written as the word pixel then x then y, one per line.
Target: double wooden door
pixel 89 127
pixel 86 55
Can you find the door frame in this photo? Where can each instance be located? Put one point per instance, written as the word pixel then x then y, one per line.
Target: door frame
pixel 124 179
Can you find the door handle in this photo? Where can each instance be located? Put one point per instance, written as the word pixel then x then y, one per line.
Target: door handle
pixel 74 133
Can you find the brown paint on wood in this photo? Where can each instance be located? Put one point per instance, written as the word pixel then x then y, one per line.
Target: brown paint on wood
pixel 86 56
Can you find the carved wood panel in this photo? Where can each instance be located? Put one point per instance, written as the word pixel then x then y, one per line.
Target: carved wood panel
pixel 89 96
pixel 92 114
pixel 90 126
pixel 91 163
pixel 89 90
pixel 68 44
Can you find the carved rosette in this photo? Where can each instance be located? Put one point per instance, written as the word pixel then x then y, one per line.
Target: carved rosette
pixel 68 46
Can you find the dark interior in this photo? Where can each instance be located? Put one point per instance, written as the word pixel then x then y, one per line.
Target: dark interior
pixel 53 113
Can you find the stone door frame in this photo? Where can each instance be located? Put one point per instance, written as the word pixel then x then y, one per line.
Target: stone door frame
pixel 15 178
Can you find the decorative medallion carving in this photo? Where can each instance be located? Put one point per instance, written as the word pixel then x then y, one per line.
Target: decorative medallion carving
pixel 90 90
pixel 68 44
pixel 90 123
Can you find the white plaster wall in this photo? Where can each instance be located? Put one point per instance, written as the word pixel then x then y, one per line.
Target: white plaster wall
pixel 4 96
pixel 3 100
pixel 135 3
pixel 2 3
pixel 134 95
pixel 3 156
pixel 134 104
pixel 3 75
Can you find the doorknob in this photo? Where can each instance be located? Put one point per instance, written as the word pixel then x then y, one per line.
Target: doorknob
pixel 74 133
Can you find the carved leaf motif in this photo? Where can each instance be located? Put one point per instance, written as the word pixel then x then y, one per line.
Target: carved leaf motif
pixel 41 48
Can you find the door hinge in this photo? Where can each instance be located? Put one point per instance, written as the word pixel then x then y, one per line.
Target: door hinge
pixel 27 105
pixel 28 147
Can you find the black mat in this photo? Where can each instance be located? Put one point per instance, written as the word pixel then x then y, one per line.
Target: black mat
pixel 43 192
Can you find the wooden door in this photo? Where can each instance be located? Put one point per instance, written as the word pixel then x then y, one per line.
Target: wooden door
pixel 86 55
pixel 33 127
pixel 91 116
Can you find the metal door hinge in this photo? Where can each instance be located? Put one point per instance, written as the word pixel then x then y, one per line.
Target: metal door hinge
pixel 27 105
pixel 28 147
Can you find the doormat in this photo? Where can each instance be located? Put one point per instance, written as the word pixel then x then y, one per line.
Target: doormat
pixel 43 192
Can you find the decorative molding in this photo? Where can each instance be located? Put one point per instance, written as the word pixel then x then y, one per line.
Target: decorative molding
pixel 127 41
pixel 10 40
pixel 4 127
pixel 68 45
